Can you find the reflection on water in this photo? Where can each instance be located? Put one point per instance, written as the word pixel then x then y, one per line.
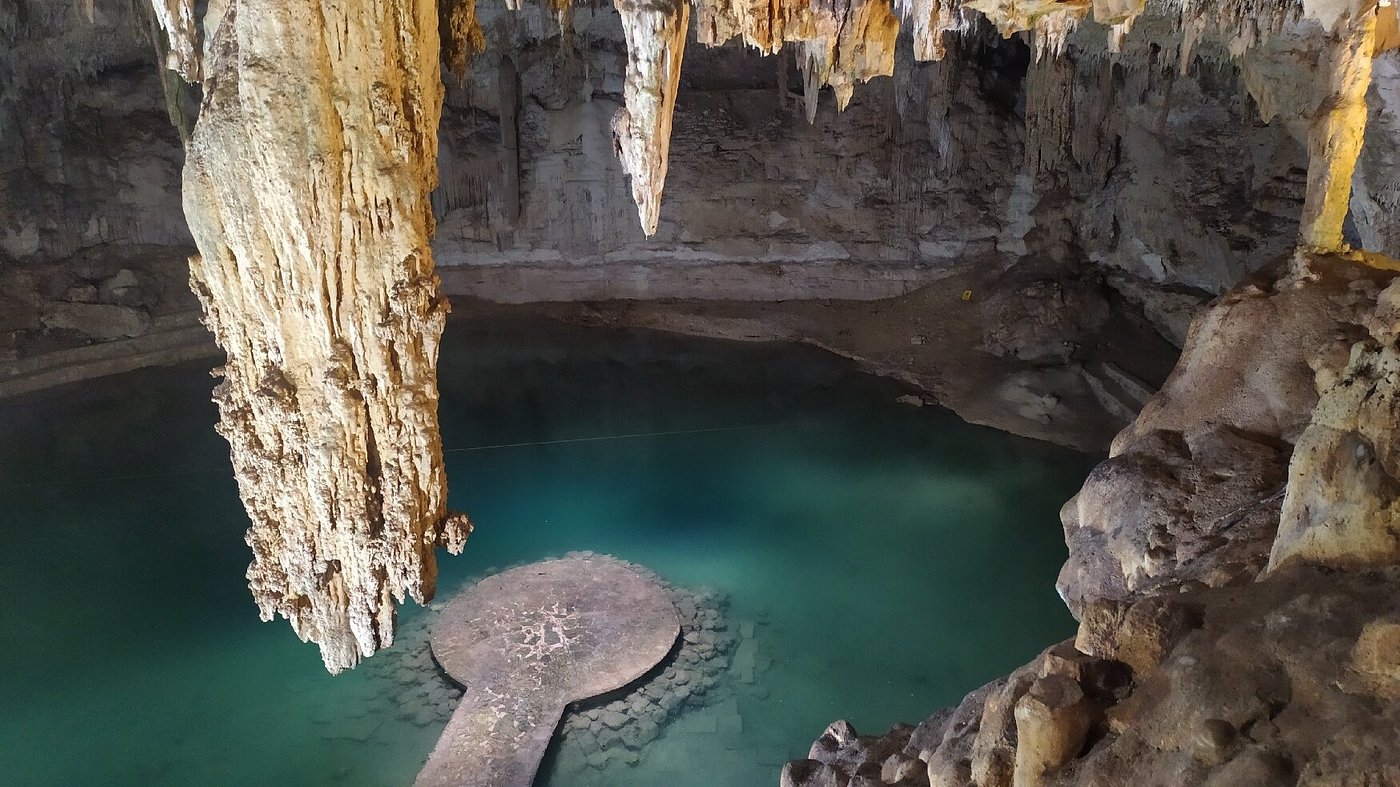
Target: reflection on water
pixel 877 561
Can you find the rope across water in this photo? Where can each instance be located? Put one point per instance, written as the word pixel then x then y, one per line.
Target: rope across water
pixel 492 447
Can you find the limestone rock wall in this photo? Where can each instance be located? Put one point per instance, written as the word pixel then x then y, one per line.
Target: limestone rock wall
pixel 1174 180
pixel 758 203
pixel 91 156
pixel 1342 507
pixel 1375 198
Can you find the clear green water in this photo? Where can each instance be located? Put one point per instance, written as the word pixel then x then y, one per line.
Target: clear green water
pixel 891 558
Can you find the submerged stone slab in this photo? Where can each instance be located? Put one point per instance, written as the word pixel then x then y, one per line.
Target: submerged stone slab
pixel 527 642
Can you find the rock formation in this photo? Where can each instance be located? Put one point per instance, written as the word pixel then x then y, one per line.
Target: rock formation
pixel 1191 492
pixel 306 188
pixel 177 19
pixel 1218 558
pixel 1342 506
pixel 1233 567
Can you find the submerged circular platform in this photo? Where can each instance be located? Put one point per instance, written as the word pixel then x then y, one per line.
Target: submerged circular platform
pixel 527 642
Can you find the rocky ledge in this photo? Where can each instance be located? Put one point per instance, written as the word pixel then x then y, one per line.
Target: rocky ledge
pixel 1287 681
pixel 1234 566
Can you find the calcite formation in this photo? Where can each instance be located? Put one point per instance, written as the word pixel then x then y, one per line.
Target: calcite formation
pixel 462 36
pixel 839 45
pixel 1232 564
pixel 306 189
pixel 319 282
pixel 642 130
pixel 177 19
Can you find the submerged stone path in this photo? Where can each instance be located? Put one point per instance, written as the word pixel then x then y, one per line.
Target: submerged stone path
pixel 527 642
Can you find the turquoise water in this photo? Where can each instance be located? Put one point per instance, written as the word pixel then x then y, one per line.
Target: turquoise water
pixel 885 558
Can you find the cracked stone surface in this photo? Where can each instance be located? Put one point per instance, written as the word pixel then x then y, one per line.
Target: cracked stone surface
pixel 527 642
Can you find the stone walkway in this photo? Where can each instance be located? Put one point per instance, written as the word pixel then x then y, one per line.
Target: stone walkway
pixel 527 642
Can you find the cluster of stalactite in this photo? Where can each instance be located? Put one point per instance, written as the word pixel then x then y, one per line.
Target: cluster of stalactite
pixel 839 44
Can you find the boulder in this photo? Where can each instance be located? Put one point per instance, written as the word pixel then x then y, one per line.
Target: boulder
pixel 123 289
pixel 97 320
pixel 811 773
pixel 900 768
pixel 1053 719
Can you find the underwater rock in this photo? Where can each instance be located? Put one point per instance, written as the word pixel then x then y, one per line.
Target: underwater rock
pixel 745 661
pixel 686 678
pixel 526 642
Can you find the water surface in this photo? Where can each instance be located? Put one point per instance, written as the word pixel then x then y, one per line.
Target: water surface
pixel 887 558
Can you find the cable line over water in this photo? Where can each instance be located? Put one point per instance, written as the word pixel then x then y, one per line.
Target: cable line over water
pixel 526 444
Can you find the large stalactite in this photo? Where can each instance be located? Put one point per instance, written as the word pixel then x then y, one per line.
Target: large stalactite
pixel 655 33
pixel 306 188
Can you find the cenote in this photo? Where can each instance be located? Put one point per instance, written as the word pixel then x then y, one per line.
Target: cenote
pixel 884 559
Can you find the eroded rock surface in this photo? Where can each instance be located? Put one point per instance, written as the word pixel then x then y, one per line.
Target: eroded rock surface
pixel 1192 490
pixel 1287 681
pixel 1282 683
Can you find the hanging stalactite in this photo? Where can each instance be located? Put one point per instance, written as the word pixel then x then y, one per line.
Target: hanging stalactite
pixel 306 188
